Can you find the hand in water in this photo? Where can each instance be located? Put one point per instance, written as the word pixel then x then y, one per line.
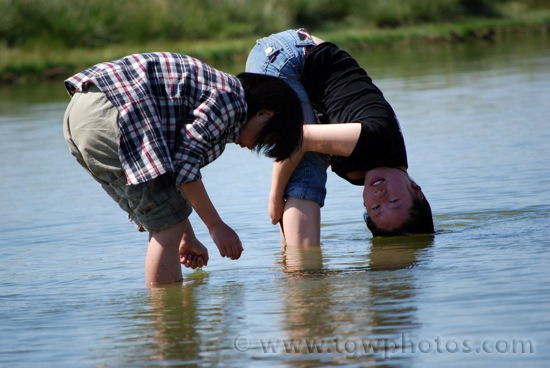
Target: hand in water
pixel 193 253
pixel 227 241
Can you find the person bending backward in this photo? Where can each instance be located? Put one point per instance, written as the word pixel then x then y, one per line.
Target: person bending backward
pixel 362 135
pixel 144 125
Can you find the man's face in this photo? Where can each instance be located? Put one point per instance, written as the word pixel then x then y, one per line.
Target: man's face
pixel 388 196
pixel 251 130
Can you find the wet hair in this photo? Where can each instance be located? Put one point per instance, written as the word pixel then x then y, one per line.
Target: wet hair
pixel 420 221
pixel 282 134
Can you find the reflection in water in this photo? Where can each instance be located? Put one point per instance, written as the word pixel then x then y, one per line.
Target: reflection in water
pixel 342 311
pixel 167 331
pixel 398 252
pixel 221 319
pixel 309 293
pixel 185 333
pixel 174 315
pixel 301 259
pixel 385 254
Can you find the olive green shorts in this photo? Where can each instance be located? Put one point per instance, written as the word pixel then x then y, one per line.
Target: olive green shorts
pixel 91 130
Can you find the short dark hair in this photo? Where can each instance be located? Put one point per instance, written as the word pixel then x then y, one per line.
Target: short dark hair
pixel 420 221
pixel 282 134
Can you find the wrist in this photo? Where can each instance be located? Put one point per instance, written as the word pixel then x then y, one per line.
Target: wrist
pixel 188 237
pixel 276 193
pixel 213 223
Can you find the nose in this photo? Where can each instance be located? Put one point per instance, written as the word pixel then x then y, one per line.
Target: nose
pixel 379 192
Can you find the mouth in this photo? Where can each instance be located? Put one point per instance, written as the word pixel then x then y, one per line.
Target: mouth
pixel 376 181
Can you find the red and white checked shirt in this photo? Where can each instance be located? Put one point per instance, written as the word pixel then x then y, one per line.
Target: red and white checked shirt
pixel 176 113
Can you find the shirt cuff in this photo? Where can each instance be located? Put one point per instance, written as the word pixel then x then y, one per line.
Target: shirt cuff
pixel 187 173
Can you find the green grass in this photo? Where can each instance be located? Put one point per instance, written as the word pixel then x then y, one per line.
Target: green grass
pixel 47 39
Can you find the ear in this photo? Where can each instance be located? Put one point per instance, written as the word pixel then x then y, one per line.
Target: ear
pixel 264 113
pixel 417 190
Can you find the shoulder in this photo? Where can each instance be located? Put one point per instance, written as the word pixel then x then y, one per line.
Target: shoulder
pixel 323 59
pixel 321 49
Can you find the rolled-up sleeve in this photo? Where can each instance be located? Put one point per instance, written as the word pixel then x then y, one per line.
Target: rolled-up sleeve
pixel 203 139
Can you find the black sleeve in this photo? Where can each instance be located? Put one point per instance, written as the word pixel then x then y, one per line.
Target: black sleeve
pixel 334 80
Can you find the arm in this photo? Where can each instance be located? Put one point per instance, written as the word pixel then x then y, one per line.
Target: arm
pixel 279 178
pixel 224 237
pixel 333 139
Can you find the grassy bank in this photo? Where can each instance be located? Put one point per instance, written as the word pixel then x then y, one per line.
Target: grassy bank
pixel 36 45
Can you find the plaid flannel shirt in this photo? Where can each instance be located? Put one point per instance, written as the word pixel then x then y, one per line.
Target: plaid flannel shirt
pixel 176 113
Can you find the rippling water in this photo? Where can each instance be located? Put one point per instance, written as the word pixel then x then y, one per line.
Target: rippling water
pixel 475 119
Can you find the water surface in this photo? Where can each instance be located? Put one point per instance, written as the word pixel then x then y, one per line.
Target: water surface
pixel 475 119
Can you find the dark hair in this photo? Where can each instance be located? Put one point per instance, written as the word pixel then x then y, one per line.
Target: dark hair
pixel 282 134
pixel 420 221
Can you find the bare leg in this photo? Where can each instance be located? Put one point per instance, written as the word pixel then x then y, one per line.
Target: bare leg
pixel 302 222
pixel 162 264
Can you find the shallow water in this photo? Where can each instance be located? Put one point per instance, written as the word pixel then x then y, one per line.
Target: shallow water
pixel 475 119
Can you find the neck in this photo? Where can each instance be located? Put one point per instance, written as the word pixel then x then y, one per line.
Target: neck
pixel 400 168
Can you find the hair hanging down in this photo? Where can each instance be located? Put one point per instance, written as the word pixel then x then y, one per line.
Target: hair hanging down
pixel 419 222
pixel 282 134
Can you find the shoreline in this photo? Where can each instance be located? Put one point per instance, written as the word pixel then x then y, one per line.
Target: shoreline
pixel 29 65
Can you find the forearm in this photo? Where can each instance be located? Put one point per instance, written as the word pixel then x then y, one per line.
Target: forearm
pixel 224 237
pixel 188 233
pixel 333 139
pixel 282 171
pixel 196 194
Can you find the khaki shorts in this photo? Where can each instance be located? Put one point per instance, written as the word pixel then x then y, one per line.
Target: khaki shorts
pixel 91 130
